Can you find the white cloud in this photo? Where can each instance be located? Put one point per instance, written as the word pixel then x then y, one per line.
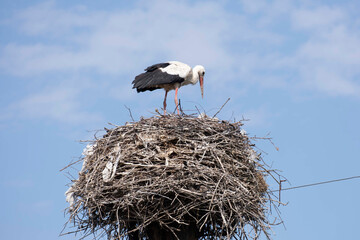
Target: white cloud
pixel 317 18
pixel 58 104
pixel 337 46
pixel 259 117
pixel 46 19
pixel 123 42
pixel 323 39
pixel 334 84
pixel 328 61
pixel 247 46
pixel 38 58
pixel 115 41
pixel 254 6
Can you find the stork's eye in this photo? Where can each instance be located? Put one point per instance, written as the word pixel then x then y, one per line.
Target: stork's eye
pixel 203 73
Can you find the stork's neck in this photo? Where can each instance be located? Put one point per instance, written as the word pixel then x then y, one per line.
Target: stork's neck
pixel 195 75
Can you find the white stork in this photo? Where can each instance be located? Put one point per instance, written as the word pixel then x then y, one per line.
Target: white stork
pixel 169 76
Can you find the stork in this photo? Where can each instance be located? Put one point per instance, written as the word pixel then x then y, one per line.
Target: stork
pixel 169 76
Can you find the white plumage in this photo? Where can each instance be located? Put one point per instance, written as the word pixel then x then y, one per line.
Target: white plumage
pixel 169 76
pixel 177 68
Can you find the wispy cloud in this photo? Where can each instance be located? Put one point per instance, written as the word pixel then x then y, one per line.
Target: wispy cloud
pixel 113 42
pixel 319 51
pixel 318 18
pixel 47 19
pixel 59 104
pixel 329 59
pixel 258 117
pixel 268 44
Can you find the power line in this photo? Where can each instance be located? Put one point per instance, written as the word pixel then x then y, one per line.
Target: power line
pixel 318 183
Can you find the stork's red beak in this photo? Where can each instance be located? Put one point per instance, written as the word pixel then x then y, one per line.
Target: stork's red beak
pixel 202 86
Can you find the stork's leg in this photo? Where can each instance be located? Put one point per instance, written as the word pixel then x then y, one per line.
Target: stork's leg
pixel 165 102
pixel 176 101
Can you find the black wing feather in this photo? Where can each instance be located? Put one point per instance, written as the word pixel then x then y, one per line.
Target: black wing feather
pixel 153 77
pixel 156 66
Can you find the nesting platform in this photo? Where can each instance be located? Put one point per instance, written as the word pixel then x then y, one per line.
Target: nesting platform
pixel 171 177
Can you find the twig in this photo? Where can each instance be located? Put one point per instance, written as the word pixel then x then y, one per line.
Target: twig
pixel 221 107
pixel 130 113
pixel 73 163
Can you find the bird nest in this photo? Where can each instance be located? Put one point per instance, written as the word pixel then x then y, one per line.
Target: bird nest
pixel 171 177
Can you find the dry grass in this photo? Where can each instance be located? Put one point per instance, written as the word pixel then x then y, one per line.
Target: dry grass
pixel 181 174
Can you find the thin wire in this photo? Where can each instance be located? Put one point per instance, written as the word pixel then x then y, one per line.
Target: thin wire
pixel 318 183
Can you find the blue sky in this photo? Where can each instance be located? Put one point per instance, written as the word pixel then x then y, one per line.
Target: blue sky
pixel 291 67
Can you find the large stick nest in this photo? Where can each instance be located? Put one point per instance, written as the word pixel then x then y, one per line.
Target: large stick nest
pixel 175 173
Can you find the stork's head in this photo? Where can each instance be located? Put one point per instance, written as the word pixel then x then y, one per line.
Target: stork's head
pixel 200 71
